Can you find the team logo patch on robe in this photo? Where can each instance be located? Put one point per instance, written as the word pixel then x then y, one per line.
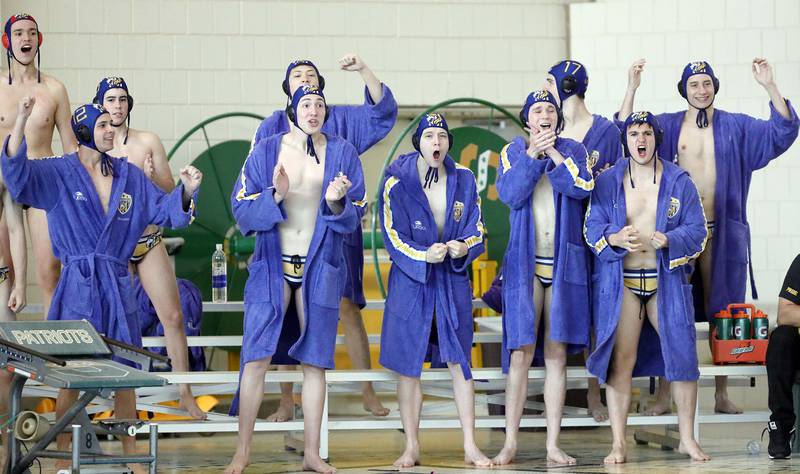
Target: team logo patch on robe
pixel 125 203
pixel 458 210
pixel 592 159
pixel 674 207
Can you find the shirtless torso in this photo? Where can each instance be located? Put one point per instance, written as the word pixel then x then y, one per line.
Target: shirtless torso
pixel 305 191
pixel 696 156
pixel 640 209
pixel 544 217
pixel 436 194
pixel 144 149
pixel 52 111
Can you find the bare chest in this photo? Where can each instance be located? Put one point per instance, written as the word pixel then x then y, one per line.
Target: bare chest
pixel 305 175
pixel 43 115
pixel 136 152
pixel 437 200
pixel 640 206
pixel 102 184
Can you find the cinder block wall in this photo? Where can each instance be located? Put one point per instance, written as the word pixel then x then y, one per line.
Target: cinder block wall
pixel 187 60
pixel 609 35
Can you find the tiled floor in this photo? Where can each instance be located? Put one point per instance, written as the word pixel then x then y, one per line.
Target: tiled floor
pixel 374 451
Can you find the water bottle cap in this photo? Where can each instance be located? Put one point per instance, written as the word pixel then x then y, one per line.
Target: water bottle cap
pixel 219 246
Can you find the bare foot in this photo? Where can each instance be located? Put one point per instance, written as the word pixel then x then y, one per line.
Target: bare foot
pixel 597 410
pixel 724 404
pixel 138 469
pixel 474 456
pixel 189 404
pixel 409 458
pixel 238 463
pixel 616 456
pixel 285 412
pixel 558 456
pixel 505 456
pixel 316 464
pixel 693 450
pixel 659 407
pixel 374 406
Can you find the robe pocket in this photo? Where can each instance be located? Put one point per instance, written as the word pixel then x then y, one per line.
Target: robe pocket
pixel 575 271
pixel 402 298
pixel 688 303
pixel 78 294
pixel 327 286
pixel 256 289
pixel 736 250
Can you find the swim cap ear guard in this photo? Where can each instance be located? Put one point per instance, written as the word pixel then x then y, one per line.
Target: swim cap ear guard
pixel 294 64
pixel 698 67
pixel 571 79
pixel 425 122
pixel 114 82
pixel 641 117
pixel 291 113
pixel 6 39
pixel 84 119
pixel 429 121
pixel 650 119
pixel 541 96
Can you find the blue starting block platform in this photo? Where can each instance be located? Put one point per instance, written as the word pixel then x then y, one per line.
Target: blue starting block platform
pixel 72 355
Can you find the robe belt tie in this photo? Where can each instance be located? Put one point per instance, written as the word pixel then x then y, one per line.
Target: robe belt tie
pixel 92 260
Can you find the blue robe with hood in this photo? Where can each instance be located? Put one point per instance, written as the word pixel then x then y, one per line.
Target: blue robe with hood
pixel 256 212
pixel 602 143
pixel 572 182
pixel 363 126
pixel 679 215
pixel 742 144
pixel 419 290
pixel 94 245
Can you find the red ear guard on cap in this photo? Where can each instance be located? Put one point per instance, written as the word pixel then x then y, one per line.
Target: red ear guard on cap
pixel 13 19
pixel 7 41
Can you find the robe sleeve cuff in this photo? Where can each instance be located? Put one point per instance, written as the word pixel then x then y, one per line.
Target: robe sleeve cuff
pixel 775 116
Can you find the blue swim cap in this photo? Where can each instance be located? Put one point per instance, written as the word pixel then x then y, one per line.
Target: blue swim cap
pixel 291 112
pixel 639 118
pixel 433 120
pixel 83 121
pixel 694 68
pixel 294 64
pixel 541 96
pixel 108 83
pixel 571 79
pixel 114 82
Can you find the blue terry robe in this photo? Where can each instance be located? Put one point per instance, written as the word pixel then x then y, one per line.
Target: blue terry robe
pixel 363 126
pixel 418 290
pixel 572 182
pixel 257 213
pixel 742 144
pixel 679 215
pixel 602 143
pixel 94 246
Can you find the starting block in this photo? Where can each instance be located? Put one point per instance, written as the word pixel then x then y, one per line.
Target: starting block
pixel 71 355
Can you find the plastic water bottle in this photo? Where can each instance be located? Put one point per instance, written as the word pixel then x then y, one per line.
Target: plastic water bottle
pixel 753 448
pixel 219 276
